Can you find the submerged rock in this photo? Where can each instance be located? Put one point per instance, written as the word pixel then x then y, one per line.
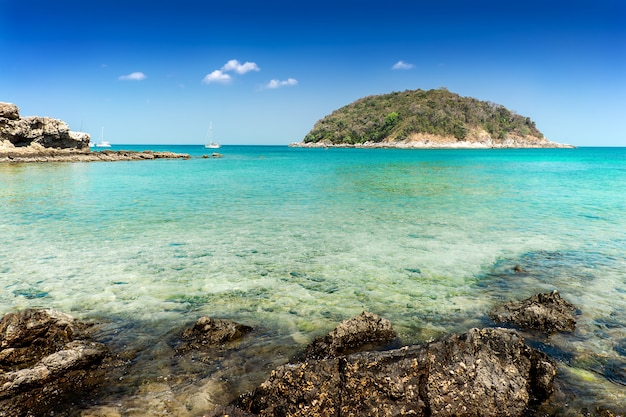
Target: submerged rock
pixel 363 331
pixel 488 372
pixel 546 312
pixel 209 332
pixel 44 360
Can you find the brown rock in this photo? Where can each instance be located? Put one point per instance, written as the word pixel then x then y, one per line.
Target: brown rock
pixel 488 372
pixel 366 330
pixel 209 332
pixel 44 361
pixel 546 312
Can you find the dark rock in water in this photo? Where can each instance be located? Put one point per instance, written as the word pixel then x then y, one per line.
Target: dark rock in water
pixel 546 312
pixel 488 372
pixel 366 330
pixel 209 332
pixel 44 360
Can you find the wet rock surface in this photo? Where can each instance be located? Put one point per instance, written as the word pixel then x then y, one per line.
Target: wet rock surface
pixel 209 332
pixel 483 372
pixel 545 312
pixel 366 330
pixel 46 357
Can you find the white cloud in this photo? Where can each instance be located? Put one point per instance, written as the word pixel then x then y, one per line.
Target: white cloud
pixel 234 65
pixel 277 83
pixel 217 76
pixel 133 76
pixel 221 76
pixel 401 65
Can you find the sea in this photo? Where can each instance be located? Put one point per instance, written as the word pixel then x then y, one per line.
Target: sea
pixel 293 241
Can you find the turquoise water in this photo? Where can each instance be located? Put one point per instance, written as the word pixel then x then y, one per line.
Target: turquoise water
pixel 296 240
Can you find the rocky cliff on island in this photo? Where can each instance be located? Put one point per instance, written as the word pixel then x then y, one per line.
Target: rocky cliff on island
pixel 44 139
pixel 425 119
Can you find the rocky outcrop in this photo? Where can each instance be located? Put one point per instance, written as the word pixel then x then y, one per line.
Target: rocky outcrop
pixel 46 357
pixel 43 139
pixel 488 372
pixel 366 330
pixel 209 332
pixel 47 132
pixel 547 312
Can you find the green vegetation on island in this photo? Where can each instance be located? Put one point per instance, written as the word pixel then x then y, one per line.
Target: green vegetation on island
pixel 415 115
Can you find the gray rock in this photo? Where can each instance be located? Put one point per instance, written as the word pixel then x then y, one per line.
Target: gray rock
pixel 546 312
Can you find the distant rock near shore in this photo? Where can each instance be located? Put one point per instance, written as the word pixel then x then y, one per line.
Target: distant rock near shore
pixel 43 139
pixel 35 153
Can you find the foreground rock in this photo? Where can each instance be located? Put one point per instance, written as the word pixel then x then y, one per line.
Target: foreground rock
pixel 546 312
pixel 488 372
pixel 45 359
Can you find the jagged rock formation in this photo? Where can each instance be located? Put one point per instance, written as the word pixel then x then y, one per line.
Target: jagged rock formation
pixel 425 119
pixel 20 132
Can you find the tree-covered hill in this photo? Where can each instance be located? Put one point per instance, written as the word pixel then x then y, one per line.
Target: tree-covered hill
pixel 410 116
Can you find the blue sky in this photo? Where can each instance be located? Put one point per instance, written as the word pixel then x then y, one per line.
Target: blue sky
pixel 264 71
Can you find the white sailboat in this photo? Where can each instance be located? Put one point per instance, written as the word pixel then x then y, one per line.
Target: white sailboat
pixel 210 144
pixel 103 143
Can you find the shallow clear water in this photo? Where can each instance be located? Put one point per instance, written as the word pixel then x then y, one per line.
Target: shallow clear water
pixel 296 240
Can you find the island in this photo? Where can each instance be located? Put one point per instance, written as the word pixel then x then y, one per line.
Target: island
pixel 425 119
pixel 44 139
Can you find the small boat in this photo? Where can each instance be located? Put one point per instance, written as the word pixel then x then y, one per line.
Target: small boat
pixel 103 143
pixel 210 144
